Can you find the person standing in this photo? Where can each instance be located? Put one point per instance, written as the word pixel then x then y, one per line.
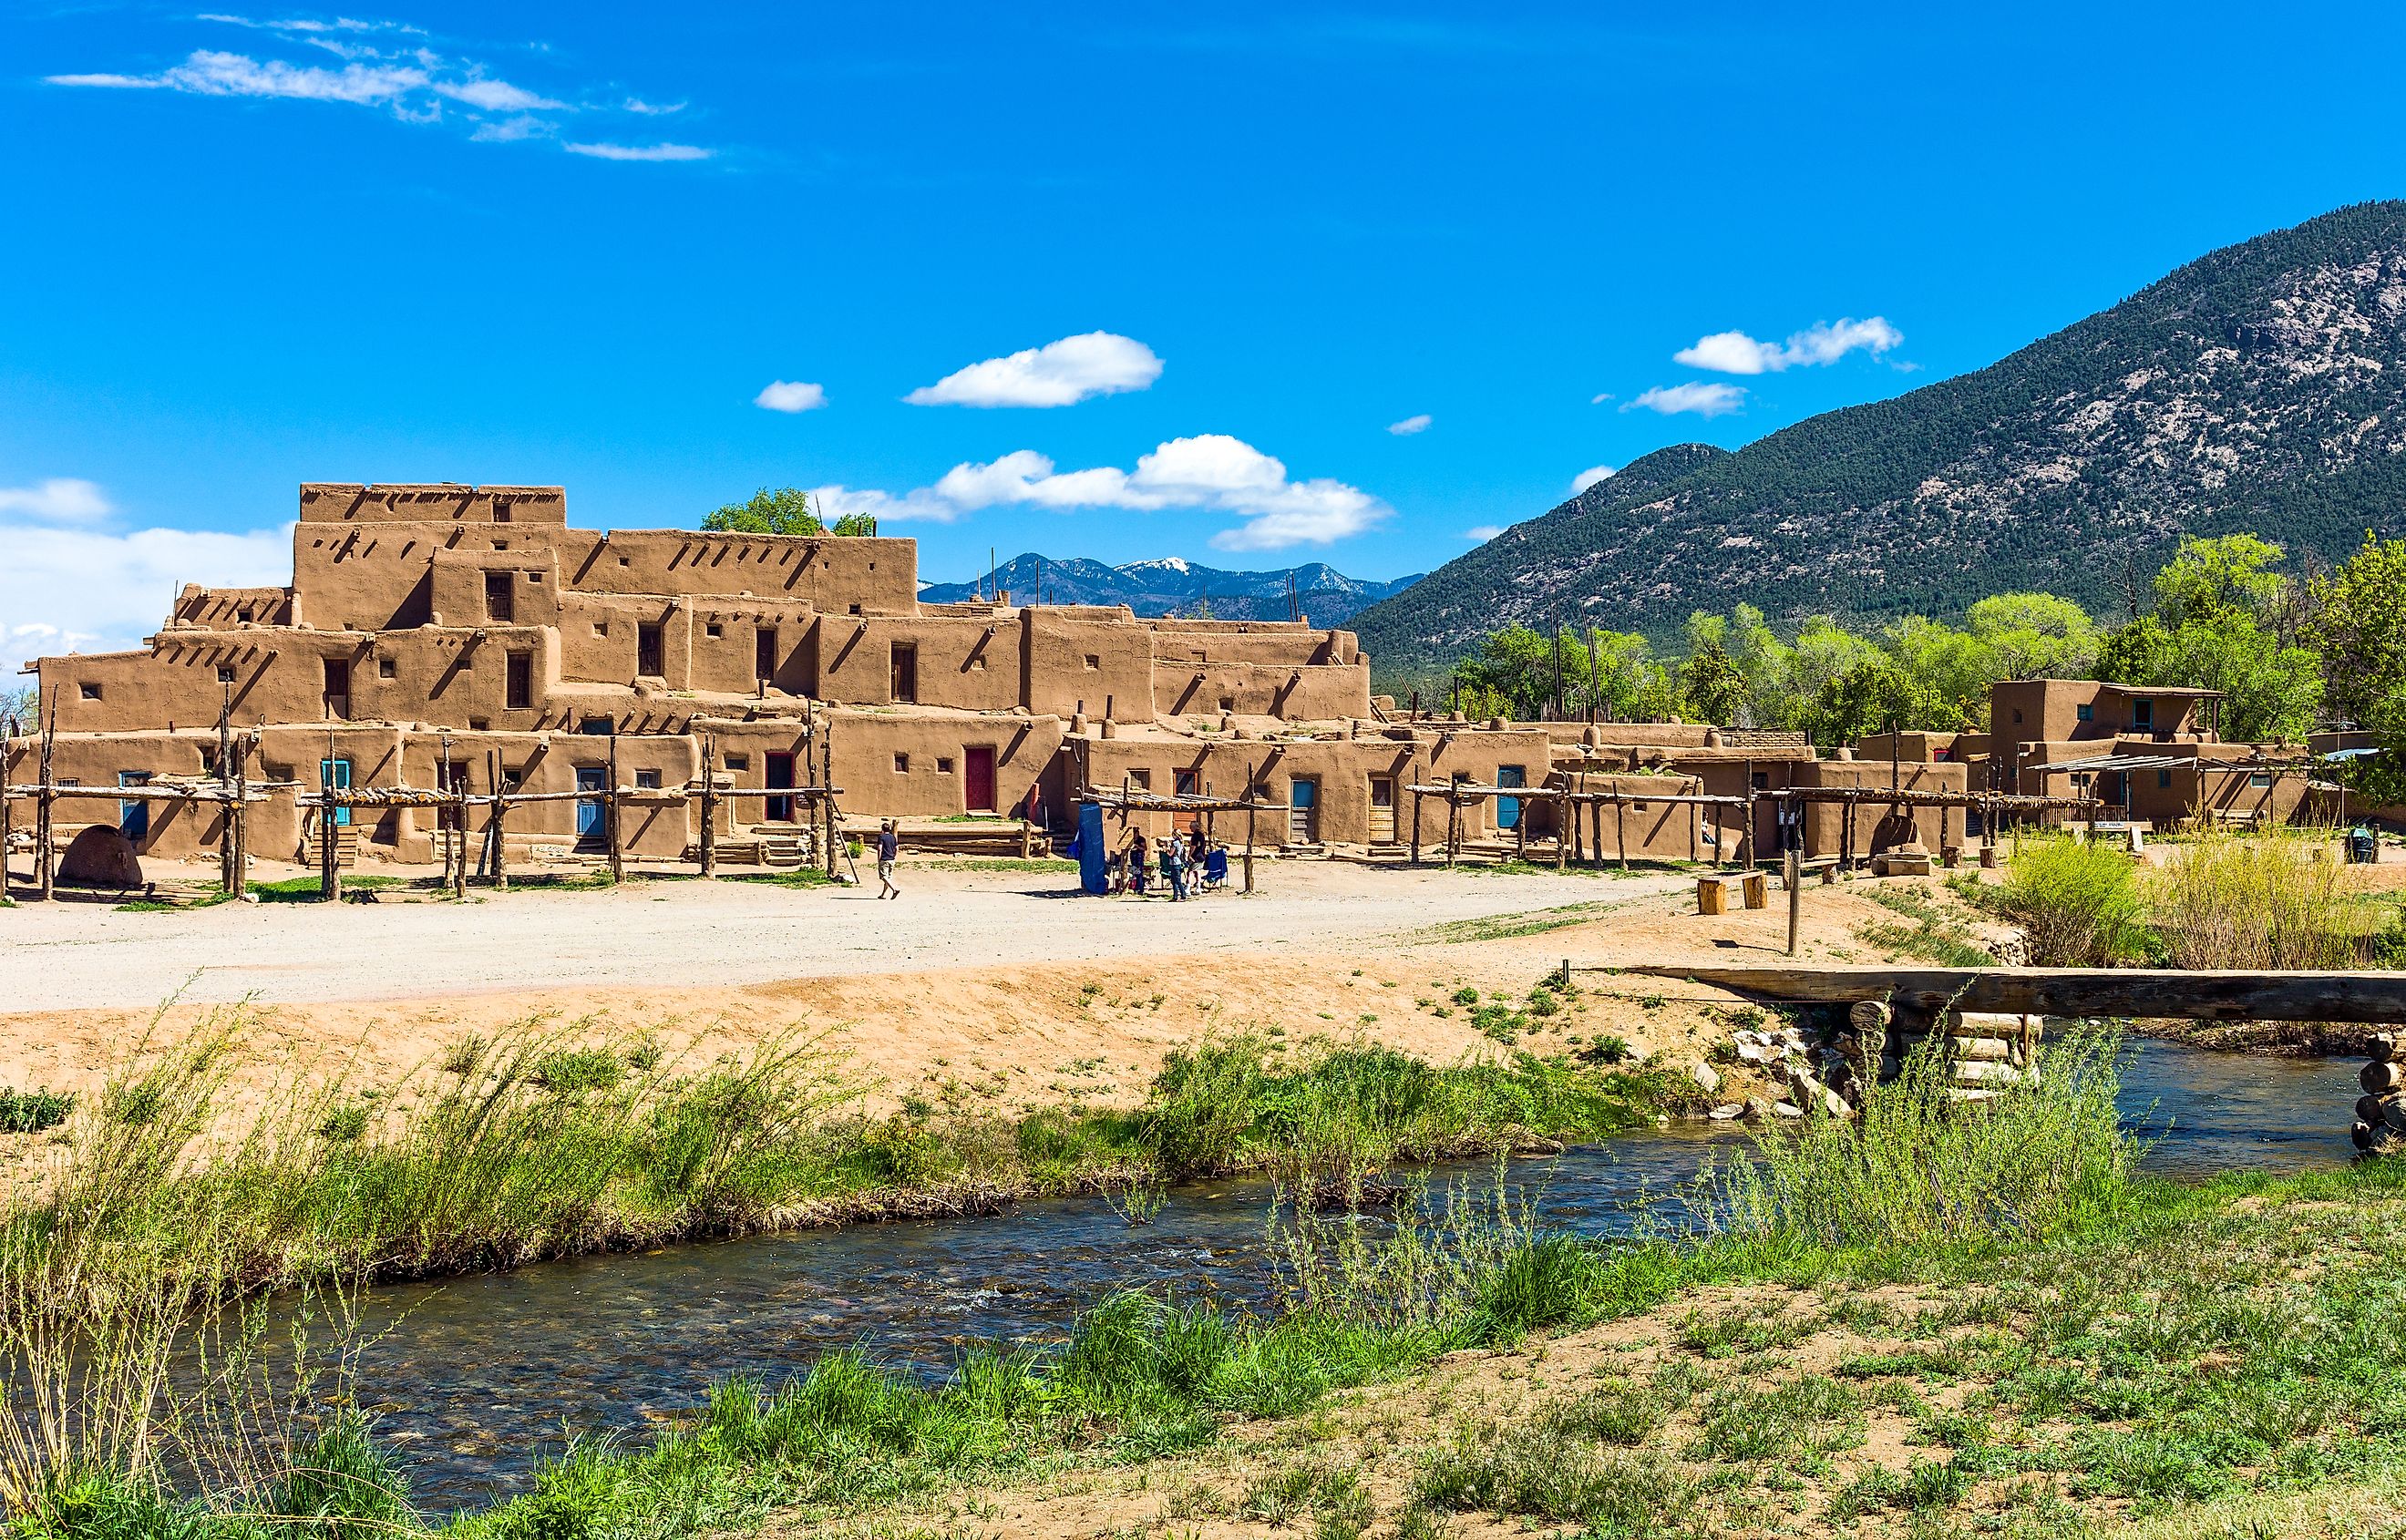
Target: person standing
pixel 1173 867
pixel 1139 857
pixel 889 846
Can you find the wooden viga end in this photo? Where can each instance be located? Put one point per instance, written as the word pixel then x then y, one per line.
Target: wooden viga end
pixel 2380 1111
pixel 1980 1052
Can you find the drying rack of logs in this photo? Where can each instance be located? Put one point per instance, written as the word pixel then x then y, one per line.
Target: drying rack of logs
pixel 2381 1112
pixel 1575 809
pixel 1980 1052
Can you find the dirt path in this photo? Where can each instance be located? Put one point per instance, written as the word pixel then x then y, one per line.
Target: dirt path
pixel 81 957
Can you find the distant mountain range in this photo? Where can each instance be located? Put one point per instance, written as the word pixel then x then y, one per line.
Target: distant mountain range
pixel 2262 387
pixel 1173 586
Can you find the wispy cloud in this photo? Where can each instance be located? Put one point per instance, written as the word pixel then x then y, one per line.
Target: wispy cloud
pixel 1059 374
pixel 1589 477
pixel 1212 472
pixel 62 499
pixel 791 396
pixel 1822 343
pixel 1706 399
pixel 640 152
pixel 641 109
pixel 1410 425
pixel 1483 532
pixel 389 65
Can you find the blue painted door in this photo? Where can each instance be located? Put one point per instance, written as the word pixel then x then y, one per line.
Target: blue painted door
pixel 1507 809
pixel 588 809
pixel 134 818
pixel 337 774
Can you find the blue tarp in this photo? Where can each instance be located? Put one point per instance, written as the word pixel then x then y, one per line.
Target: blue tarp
pixel 1092 851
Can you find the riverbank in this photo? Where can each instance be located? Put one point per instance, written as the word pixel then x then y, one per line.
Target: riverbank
pixel 2031 1339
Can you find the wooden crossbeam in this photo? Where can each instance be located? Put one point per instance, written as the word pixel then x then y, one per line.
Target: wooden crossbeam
pixel 2187 994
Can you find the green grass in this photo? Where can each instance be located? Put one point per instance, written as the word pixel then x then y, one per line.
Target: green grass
pixel 1934 934
pixel 31 1111
pixel 1503 926
pixel 304 890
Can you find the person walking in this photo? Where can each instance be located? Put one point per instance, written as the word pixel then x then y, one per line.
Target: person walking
pixel 1173 867
pixel 888 846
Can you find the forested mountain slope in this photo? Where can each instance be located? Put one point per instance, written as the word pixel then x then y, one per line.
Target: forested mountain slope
pixel 2262 387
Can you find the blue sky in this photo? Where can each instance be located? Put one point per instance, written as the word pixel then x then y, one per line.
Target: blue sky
pixel 583 244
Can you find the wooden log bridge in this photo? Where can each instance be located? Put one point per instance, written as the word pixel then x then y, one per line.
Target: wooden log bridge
pixel 2222 995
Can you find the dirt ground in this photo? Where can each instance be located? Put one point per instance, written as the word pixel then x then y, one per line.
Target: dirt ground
pixel 989 983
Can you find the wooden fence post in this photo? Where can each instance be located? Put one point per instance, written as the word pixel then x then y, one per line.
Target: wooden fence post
pixel 45 819
pixel 1252 784
pixel 709 807
pixel 610 809
pixel 1621 827
pixel 1792 872
pixel 7 732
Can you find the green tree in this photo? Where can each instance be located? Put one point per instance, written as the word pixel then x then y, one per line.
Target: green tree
pixel 1872 693
pixel 2357 617
pixel 855 524
pixel 2214 601
pixel 1713 685
pixel 2034 636
pixel 785 511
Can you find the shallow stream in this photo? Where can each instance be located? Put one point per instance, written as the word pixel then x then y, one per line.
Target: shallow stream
pixel 476 1380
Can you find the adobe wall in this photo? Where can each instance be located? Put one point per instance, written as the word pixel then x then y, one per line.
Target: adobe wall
pixel 839 574
pixel 916 765
pixel 225 609
pixel 429 502
pixel 971 663
pixel 1876 828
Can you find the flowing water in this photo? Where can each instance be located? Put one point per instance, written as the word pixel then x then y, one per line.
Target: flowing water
pixel 477 1378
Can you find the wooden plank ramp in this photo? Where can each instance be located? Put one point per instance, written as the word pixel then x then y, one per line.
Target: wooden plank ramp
pixel 2222 995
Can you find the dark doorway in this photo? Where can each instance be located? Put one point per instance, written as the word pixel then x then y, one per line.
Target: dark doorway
pixel 590 820
pixel 977 777
pixel 501 597
pixel 647 651
pixel 134 816
pixel 519 689
pixel 764 653
pixel 338 687
pixel 906 673
pixel 779 810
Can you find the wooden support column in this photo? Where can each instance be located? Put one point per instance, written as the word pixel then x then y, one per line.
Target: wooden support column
pixel 1416 826
pixel 7 732
pixel 240 814
pixel 1452 826
pixel 1252 782
pixel 823 731
pixel 1792 872
pixel 459 866
pixel 1621 827
pixel 501 830
pixel 709 806
pixel 1746 835
pixel 45 830
pixel 225 789
pixel 1520 829
pixel 1562 828
pixel 610 812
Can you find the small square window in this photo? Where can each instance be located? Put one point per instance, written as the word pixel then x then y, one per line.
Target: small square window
pixel 739 761
pixel 534 577
pixel 242 617
pixel 601 627
pixel 943 766
pixel 902 764
pixel 2163 779
pixel 501 516
pixel 479 723
pixel 622 561
pixel 2086 713
pixel 711 629
pixel 89 690
pixel 855 610
pixel 1093 661
pixel 594 726
pixel 648 779
pixel 225 673
pixel 1142 780
pixel 386 669
pixel 2260 781
pixel 501 545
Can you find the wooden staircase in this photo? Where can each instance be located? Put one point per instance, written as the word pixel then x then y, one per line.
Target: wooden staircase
pixel 346 847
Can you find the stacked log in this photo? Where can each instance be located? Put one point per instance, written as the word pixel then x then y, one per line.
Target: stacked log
pixel 2380 1111
pixel 1981 1052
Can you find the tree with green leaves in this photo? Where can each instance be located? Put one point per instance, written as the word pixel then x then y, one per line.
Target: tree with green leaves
pixel 785 511
pixel 2213 629
pixel 1713 685
pixel 2357 617
pixel 1874 694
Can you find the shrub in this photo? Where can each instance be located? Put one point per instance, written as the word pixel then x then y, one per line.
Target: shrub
pixel 568 1071
pixel 30 1112
pixel 2255 900
pixel 2078 903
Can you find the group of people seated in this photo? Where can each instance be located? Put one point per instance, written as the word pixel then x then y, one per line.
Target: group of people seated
pixel 1189 864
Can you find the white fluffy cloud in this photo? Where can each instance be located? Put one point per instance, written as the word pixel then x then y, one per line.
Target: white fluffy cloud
pixel 791 396
pixel 1059 374
pixel 388 66
pixel 1483 532
pixel 1209 470
pixel 73 584
pixel 1824 342
pixel 1411 425
pixel 65 499
pixel 1706 399
pixel 1589 477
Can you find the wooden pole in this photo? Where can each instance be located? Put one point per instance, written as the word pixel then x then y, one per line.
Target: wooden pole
pixel 460 834
pixel 1791 872
pixel 1252 784
pixel 1746 835
pixel 823 739
pixel 1452 826
pixel 45 829
pixel 1520 833
pixel 500 829
pixel 7 751
pixel 610 810
pixel 241 816
pixel 225 784
pixel 443 783
pixel 1621 827
pixel 1563 805
pixel 709 806
pixel 1416 827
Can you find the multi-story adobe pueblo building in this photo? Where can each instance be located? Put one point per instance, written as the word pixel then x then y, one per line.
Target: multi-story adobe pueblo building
pixel 449 637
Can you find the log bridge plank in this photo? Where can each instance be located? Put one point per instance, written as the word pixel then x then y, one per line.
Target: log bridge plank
pixel 2190 994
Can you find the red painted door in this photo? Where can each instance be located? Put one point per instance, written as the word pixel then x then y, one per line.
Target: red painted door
pixel 977 777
